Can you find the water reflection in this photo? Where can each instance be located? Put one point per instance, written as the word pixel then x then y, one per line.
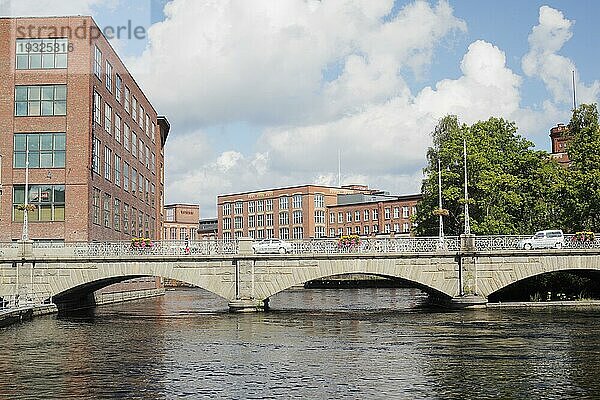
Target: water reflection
pixel 354 343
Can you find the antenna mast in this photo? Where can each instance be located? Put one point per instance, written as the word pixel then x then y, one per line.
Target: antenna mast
pixel 574 95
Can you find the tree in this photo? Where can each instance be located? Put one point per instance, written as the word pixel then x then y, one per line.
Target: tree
pixel 581 189
pixel 512 188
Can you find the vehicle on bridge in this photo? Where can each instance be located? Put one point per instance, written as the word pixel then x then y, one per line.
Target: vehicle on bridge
pixel 550 239
pixel 272 246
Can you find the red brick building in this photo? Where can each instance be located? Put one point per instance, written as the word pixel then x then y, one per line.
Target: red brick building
pixel 560 138
pixel 181 221
pixel 371 214
pixel 93 140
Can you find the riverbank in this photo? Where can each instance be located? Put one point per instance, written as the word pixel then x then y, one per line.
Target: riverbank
pixel 546 304
pixel 12 316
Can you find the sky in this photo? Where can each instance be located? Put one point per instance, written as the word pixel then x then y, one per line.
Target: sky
pixel 263 94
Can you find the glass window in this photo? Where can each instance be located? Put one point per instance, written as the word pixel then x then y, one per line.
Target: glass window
pixel 46 150
pixel 108 118
pixel 47 201
pixel 49 53
pixel 41 100
pixel 97 104
pixel 117 215
pixel 117 170
pixel 96 155
pixel 238 207
pixel 319 201
pixel 297 201
pixel 283 203
pixel 97 62
pixel 118 87
pixel 127 100
pixel 117 128
pixel 96 206
pixel 107 162
pixel 126 176
pixel 108 76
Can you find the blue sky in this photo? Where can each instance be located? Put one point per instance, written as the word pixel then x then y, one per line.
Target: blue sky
pixel 264 93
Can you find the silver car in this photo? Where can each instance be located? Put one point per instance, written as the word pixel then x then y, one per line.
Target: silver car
pixel 550 239
pixel 272 246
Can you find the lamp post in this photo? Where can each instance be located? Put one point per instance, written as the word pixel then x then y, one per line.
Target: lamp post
pixel 25 233
pixel 467 223
pixel 440 212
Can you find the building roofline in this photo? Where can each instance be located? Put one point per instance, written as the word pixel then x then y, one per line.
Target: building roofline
pixel 391 199
pixel 289 187
pixel 181 204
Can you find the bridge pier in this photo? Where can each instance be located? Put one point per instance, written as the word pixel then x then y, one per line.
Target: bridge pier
pixel 248 305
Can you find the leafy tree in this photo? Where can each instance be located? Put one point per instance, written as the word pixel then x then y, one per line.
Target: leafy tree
pixel 581 189
pixel 512 188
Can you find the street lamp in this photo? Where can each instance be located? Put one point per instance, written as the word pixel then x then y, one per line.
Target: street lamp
pixel 467 223
pixel 25 233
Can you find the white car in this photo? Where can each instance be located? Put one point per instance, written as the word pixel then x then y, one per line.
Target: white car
pixel 544 240
pixel 272 246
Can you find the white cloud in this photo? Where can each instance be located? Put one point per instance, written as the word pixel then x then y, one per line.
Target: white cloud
pixel 542 61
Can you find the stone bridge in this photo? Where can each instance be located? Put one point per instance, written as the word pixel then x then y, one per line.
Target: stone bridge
pixel 460 271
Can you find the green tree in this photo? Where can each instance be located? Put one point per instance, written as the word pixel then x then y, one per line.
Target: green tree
pixel 512 188
pixel 581 189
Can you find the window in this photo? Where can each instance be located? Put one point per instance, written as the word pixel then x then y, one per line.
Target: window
pixel 170 215
pixel 133 220
pixel 397 228
pixel 133 144
pixel 387 213
pixel 106 208
pixel 284 218
pixel 42 53
pixel 141 184
pixel 134 181
pixel 269 205
pixel 298 232
pixel 117 215
pixel 387 228
pixel 126 177
pixel 270 233
pixel 340 218
pixel 134 108
pixel 182 233
pixel 108 76
pixel 319 231
pixel 375 228
pixel 413 210
pixel 260 220
pixel 269 220
pixel 41 100
pixel 153 163
pixel 348 216
pixel 366 229
pixel 226 223
pixel 153 195
pixel 107 161
pixel 238 207
pixel 141 117
pixel 332 218
pixel 173 233
pixel 320 217
pixel 192 234
pixel 319 201
pixel 226 236
pixel 297 217
pixel 96 155
pixel 283 203
pixel 405 227
pixel 117 128
pixel 348 231
pixel 396 212
pixel 147 191
pixel 127 100
pixel 366 215
pixel 375 214
pixel 108 118
pixel 331 232
pixel 97 104
pixel 404 212
pixel 357 216
pixel 297 201
pixel 118 87
pixel 340 231
pixel 153 132
pixel 284 233
pixel 147 157
pixel 357 230
pixel 260 234
pixel 260 206
pixel 250 207
pixel 46 150
pixel 227 209
pixel 147 127
pixel 141 150
pixel 97 62
pixel 96 206
pixel 238 222
pixel 117 170
pixel 125 217
pixel 49 202
pixel 126 133
pixel 251 221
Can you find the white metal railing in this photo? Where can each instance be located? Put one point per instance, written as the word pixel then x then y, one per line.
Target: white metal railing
pixel 376 245
pixel 27 299
pixel 125 248
pixel 511 242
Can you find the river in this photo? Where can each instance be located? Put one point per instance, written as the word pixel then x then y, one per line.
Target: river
pixel 313 344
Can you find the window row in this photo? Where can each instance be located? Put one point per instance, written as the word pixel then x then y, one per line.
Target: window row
pixel 40 100
pixel 123 95
pixel 184 233
pixel 113 124
pixel 114 214
pixel 48 53
pixel 46 203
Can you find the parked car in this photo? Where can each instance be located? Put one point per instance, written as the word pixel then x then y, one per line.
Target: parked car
pixel 544 240
pixel 272 246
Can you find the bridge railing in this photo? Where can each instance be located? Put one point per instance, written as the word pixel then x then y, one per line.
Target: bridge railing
pixel 125 248
pixel 376 245
pixel 17 300
pixel 511 242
